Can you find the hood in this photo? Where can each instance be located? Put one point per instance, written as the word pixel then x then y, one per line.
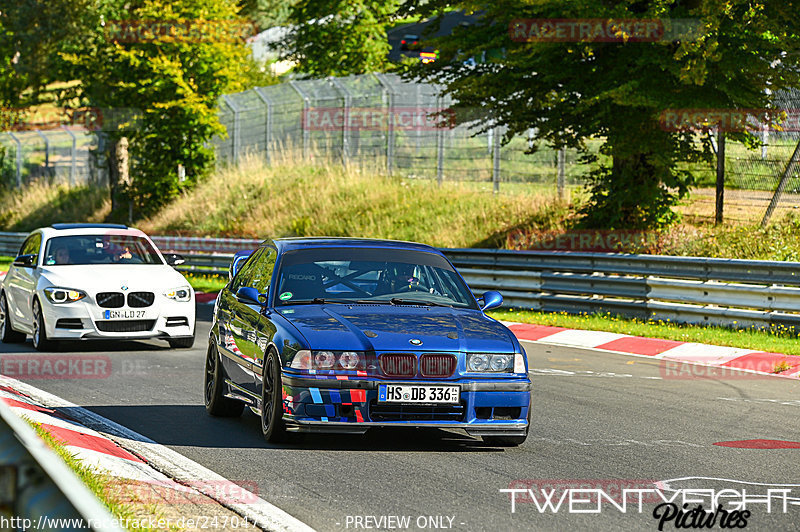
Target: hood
pixel 111 277
pixel 383 328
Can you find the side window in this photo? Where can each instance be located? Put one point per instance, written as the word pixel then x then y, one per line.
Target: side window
pixel 31 245
pixel 262 271
pixel 246 273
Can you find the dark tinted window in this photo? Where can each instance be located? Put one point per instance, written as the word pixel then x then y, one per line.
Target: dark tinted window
pixel 31 245
pixel 244 277
pixel 370 274
pixel 99 249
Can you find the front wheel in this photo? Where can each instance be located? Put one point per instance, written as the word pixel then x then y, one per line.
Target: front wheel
pixel 272 426
pixel 216 402
pixel 7 334
pixel 40 340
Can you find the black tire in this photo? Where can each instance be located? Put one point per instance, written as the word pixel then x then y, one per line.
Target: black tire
pixel 272 425
pixel 40 340
pixel 7 333
pixel 181 343
pixel 216 403
pixel 509 441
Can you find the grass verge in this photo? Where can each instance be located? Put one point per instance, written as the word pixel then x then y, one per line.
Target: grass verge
pixel 102 486
pixel 774 340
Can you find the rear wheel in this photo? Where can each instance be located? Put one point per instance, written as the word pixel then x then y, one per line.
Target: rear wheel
pixel 272 426
pixel 7 334
pixel 216 402
pixel 39 336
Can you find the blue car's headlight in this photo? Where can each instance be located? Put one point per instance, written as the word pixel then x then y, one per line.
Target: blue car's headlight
pixel 495 363
pixel 63 295
pixel 348 360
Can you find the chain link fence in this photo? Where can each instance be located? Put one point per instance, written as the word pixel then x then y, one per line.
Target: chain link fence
pixel 63 155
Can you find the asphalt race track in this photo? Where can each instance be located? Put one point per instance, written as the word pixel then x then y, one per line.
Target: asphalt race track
pixel 600 421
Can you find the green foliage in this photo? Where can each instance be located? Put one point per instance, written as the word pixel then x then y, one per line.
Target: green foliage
pixel 267 13
pixel 338 38
pixel 572 91
pixel 168 83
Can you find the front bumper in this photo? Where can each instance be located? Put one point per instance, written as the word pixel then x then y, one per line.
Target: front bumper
pixel 487 407
pixel 79 320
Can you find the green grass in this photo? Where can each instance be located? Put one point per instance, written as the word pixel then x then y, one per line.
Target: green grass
pixel 206 283
pixel 774 340
pixel 102 486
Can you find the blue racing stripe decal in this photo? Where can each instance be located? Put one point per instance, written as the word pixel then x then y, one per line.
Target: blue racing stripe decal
pixel 315 395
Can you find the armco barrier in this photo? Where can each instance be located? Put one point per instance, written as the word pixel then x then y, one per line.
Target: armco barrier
pixel 683 289
pixel 39 492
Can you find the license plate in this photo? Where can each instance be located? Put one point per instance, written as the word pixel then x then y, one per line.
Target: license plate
pixel 403 393
pixel 123 314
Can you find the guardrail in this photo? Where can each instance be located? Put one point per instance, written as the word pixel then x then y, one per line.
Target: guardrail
pixel 681 289
pixel 38 490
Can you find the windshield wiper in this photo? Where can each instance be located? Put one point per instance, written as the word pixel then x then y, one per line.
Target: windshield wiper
pixel 324 301
pixel 403 301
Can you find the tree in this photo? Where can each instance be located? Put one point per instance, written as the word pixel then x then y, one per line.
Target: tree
pixel 339 37
pixel 616 90
pixel 156 68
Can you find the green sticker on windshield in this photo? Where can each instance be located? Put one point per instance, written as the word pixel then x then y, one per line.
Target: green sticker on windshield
pixel 285 296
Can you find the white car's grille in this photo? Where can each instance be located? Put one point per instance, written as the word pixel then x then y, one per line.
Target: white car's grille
pixel 110 299
pixel 141 299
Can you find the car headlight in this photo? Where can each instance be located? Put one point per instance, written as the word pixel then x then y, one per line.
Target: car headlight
pixel 183 293
pixel 333 360
pixel 498 363
pixel 63 295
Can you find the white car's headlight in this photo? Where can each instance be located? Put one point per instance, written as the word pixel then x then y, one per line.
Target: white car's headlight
pixel 63 295
pixel 183 293
pixel 498 363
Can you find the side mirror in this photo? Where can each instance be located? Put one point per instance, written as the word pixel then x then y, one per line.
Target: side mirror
pixel 250 296
pixel 26 261
pixel 173 259
pixel 491 299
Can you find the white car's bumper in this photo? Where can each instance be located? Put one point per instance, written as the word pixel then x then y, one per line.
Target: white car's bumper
pixel 84 319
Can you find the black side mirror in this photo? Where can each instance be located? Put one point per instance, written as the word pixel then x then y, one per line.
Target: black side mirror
pixel 173 259
pixel 26 261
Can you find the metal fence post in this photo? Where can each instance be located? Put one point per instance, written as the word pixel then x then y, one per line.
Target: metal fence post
pixel 74 153
pixel 18 158
pixel 389 98
pixel 236 137
pixel 561 163
pixel 439 147
pixel 348 100
pixel 496 159
pixel 267 125
pixel 787 174
pixel 306 105
pixel 46 151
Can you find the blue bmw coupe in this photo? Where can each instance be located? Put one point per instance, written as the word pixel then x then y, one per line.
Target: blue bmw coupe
pixel 345 335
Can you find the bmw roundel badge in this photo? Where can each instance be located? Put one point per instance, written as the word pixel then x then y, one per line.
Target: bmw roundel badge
pixel 415 341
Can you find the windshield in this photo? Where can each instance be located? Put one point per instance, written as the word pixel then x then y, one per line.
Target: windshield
pixel 99 249
pixel 387 276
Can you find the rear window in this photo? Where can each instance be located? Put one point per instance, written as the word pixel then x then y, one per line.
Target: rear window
pixel 99 249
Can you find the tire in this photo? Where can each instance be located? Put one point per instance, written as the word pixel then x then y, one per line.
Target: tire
pixel 509 441
pixel 216 403
pixel 40 340
pixel 272 426
pixel 7 334
pixel 181 343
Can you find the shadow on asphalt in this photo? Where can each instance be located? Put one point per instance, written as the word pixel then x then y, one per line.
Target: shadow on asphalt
pixel 190 426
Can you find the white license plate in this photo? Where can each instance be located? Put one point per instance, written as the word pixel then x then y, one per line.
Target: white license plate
pixel 404 393
pixel 124 314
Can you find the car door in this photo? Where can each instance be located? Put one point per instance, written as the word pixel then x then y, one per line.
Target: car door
pixel 257 320
pixel 237 336
pixel 21 285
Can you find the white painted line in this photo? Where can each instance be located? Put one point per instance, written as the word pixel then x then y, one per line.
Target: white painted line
pixel 582 338
pixel 169 462
pixel 704 353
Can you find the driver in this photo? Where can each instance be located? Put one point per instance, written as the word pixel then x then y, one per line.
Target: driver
pixel 403 277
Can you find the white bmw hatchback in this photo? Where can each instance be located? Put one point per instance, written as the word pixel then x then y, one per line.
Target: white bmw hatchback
pixel 94 281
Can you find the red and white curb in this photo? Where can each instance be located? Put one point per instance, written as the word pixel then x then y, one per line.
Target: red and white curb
pixel 110 448
pixel 730 358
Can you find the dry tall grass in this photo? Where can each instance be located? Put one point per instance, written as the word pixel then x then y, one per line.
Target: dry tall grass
pixel 297 199
pixel 40 204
